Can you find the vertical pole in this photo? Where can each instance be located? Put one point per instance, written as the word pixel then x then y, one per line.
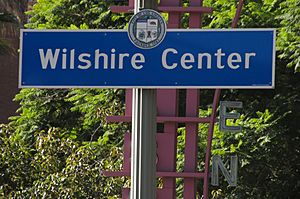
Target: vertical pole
pixel 143 161
pixel 168 106
pixel 192 106
pixel 191 140
pixel 143 157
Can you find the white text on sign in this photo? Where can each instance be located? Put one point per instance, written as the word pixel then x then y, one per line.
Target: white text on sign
pixel 66 59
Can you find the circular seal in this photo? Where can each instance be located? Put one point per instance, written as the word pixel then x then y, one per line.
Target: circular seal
pixel 147 29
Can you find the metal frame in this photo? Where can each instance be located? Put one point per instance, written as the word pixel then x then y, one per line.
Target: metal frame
pixel 167 114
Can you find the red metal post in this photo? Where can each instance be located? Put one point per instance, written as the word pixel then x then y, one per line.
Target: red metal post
pixel 237 14
pixel 192 107
pixel 191 140
pixel 196 18
pixel 167 103
pixel 174 17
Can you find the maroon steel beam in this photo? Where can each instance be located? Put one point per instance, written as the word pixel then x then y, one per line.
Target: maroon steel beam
pixel 192 110
pixel 191 140
pixel 174 17
pixel 163 119
pixel 121 9
pixel 158 174
pixel 124 9
pixel 195 20
pixel 237 14
pixel 128 103
pixel 167 105
pixel 174 9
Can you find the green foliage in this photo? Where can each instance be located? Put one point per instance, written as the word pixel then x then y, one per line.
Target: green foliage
pixel 96 104
pixel 268 156
pixel 284 15
pixel 80 113
pixel 263 173
pixel 60 142
pixel 289 37
pixel 57 167
pixel 249 145
pixel 61 133
pixel 42 109
pixel 255 14
pixel 14 163
pixel 58 14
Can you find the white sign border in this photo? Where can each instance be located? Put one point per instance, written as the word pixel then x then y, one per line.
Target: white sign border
pixel 272 86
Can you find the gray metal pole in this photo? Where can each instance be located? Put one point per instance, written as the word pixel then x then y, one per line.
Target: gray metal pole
pixel 143 144
pixel 143 161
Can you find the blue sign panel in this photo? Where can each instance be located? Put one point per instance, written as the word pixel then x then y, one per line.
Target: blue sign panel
pixel 240 58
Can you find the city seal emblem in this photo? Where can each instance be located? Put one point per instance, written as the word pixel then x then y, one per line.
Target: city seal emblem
pixel 147 29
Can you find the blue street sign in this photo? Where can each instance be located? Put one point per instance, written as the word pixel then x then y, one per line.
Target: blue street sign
pixel 236 58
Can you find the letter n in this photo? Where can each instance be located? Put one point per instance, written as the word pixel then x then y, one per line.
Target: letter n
pixel 231 177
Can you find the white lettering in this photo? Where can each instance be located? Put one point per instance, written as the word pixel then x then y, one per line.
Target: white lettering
pixel 112 59
pixel 164 58
pixel 97 57
pixel 48 57
pixel 64 59
pixel 247 59
pixel 200 60
pixel 84 60
pixel 187 58
pixel 234 58
pixel 137 58
pixel 170 59
pixel 121 59
pixel 72 59
pixel 219 55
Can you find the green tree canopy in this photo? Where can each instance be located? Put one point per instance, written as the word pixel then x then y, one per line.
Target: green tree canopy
pixel 289 33
pixel 60 142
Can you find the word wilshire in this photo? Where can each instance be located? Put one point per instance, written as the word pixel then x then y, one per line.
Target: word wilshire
pixel 170 59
